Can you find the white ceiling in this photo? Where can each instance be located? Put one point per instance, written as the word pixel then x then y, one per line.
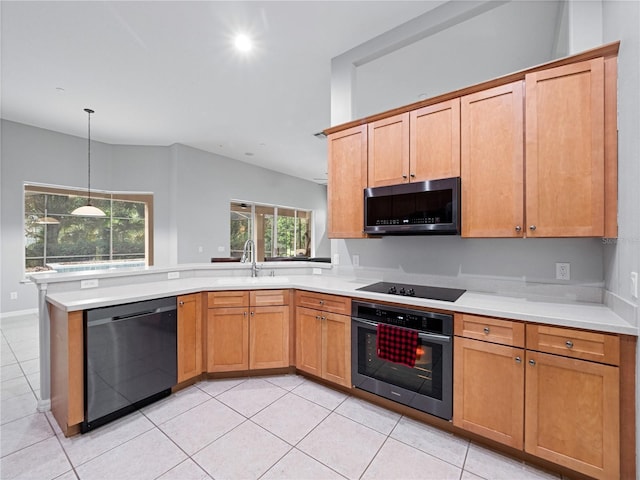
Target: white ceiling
pixel 159 73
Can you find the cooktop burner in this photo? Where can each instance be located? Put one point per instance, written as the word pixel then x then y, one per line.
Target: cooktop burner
pixel 420 291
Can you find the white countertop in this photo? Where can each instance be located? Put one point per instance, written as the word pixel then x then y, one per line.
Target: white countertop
pixel 589 316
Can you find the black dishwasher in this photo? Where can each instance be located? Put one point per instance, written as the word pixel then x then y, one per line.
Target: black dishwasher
pixel 130 358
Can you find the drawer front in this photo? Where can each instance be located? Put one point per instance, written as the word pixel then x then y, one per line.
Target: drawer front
pixel 232 298
pixel 324 302
pixel 262 298
pixel 495 330
pixel 594 346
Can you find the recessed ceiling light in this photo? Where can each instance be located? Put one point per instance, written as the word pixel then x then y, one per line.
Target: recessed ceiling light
pixel 60 89
pixel 243 43
pixel 249 154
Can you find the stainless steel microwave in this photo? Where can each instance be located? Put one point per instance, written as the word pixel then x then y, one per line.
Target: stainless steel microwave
pixel 420 208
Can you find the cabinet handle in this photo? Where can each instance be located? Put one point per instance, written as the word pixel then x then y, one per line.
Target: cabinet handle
pixel 569 344
pixel 518 360
pixel 318 317
pixel 404 176
pixel 181 303
pixel 518 228
pixel 244 313
pixel 532 362
pixel 486 330
pixel 252 313
pixel 323 318
pixel 532 227
pixel 413 175
pixel 321 302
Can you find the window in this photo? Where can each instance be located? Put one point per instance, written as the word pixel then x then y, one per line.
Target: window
pixel 277 231
pixel 57 240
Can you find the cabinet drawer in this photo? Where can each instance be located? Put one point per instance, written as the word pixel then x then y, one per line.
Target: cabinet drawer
pixel 489 329
pixel 324 302
pixel 237 298
pixel 261 298
pixel 598 347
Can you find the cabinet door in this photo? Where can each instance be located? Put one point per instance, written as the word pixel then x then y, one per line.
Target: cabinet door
pixel 189 337
pixel 492 162
pixel 572 414
pixel 336 348
pixel 434 141
pixel 322 301
pixel 309 341
pixel 269 337
pixel 389 151
pixel 227 339
pixel 565 150
pixel 347 179
pixel 488 390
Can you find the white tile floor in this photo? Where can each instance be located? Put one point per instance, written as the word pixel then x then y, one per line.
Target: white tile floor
pixel 284 427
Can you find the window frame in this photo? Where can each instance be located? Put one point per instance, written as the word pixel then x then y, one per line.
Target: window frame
pixel 138 197
pixel 253 229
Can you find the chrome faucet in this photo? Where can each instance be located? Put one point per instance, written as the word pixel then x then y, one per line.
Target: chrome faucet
pixel 249 253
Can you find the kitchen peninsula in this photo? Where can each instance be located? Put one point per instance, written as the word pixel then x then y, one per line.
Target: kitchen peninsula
pixel 62 298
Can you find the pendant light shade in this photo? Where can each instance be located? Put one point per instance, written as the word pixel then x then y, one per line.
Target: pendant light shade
pixel 47 221
pixel 88 210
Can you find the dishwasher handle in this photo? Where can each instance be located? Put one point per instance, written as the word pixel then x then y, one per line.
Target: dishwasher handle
pixel 130 316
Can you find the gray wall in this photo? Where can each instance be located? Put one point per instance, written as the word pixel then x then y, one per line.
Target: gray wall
pixel 622 256
pixel 191 188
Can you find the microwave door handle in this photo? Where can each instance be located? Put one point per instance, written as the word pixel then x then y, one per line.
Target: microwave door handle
pixel 432 337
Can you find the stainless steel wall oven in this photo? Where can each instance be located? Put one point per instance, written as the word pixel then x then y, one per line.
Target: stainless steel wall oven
pixel 427 386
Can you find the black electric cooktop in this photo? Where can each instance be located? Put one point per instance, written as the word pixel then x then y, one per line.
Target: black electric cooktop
pixel 419 291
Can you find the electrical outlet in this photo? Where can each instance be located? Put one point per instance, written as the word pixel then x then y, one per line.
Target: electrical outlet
pixel 634 284
pixel 563 271
pixel 93 283
pixel 200 249
pixel 336 259
pixel 356 260
pixel 173 275
pixel 13 295
pixel 221 249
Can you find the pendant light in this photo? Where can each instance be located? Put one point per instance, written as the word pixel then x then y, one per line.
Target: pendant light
pixel 89 210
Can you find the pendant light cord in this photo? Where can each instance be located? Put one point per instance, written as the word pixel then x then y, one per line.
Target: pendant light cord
pixel 89 112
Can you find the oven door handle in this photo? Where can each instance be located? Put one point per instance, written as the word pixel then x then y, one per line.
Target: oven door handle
pixel 432 337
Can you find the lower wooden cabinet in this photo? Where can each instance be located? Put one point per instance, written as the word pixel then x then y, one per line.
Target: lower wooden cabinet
pixel 252 334
pixel 269 337
pixel 323 345
pixel 489 390
pixel 572 410
pixel 189 336
pixel 555 406
pixel 228 339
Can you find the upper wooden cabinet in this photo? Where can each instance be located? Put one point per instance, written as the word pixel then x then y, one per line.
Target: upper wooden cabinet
pixel 492 162
pixel 434 141
pixel 347 179
pixel 548 133
pixel 420 145
pixel 565 150
pixel 389 151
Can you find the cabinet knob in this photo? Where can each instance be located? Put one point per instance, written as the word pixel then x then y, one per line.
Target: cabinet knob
pixel 404 176
pixel 244 313
pixel 532 227
pixel 252 313
pixel 318 317
pixel 486 330
pixel 518 228
pixel 323 318
pixel 569 344
pixel 518 360
pixel 181 303
pixel 532 362
pixel 321 302
pixel 413 175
